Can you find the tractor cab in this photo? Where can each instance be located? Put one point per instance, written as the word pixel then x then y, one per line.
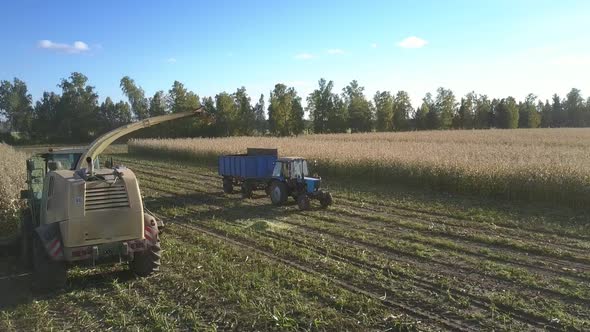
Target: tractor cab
pixel 294 169
pixel 65 159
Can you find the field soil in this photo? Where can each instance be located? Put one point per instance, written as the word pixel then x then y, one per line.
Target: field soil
pixel 382 258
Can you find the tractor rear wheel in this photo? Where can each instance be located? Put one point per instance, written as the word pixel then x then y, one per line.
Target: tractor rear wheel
pixel 326 200
pixel 278 193
pixel 246 190
pixel 47 273
pixel 147 262
pixel 228 186
pixel 303 202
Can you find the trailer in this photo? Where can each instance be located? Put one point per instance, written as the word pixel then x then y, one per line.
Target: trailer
pixel 251 171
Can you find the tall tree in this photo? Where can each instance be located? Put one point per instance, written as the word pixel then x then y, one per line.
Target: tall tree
pixel 320 104
pixel 433 115
pixel 445 105
pixel 45 117
pixel 402 108
pixel 246 119
pixel 260 118
pixel 558 114
pixel 180 99
pixel 157 104
pixel 483 112
pixel 285 113
pixel 136 96
pixel 574 108
pixel 464 118
pixel 384 111
pixel 227 114
pixel 359 109
pixel 546 114
pixel 507 114
pixel 338 116
pixel 528 115
pixel 421 118
pixel 77 110
pixel 16 105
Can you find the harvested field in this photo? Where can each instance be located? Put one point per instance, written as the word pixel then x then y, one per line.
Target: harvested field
pixel 382 258
pixel 550 165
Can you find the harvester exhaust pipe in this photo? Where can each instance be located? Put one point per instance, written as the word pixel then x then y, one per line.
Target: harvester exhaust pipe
pixel 90 166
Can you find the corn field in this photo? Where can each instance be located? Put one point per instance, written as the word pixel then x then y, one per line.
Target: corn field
pixel 551 165
pixel 12 164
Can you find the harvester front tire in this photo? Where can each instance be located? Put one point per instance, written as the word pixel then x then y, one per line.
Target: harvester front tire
pixel 147 262
pixel 278 193
pixel 47 274
pixel 303 202
pixel 326 200
pixel 228 186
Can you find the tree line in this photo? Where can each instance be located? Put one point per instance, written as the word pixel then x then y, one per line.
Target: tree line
pixel 76 115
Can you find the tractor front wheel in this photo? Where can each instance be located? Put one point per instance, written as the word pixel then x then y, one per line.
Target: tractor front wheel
pixel 303 202
pixel 278 193
pixel 47 273
pixel 147 262
pixel 326 200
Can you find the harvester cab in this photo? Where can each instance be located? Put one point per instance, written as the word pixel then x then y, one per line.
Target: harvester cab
pixel 290 177
pixel 79 212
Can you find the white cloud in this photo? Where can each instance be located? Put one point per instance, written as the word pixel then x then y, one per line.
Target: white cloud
pixel 335 51
pixel 171 60
pixel 374 45
pixel 412 42
pixel 76 47
pixel 304 56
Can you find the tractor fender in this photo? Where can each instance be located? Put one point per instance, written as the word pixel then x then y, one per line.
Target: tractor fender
pixel 50 236
pixel 150 229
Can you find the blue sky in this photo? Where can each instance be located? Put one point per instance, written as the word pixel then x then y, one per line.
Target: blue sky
pixel 495 47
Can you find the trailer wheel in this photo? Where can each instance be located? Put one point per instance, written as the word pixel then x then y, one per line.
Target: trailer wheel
pixel 278 193
pixel 47 273
pixel 246 190
pixel 147 262
pixel 26 239
pixel 326 200
pixel 303 202
pixel 228 186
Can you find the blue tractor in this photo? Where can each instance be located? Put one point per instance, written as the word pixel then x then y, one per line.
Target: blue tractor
pixel 290 177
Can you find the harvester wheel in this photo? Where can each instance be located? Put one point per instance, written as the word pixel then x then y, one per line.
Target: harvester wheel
pixel 246 190
pixel 278 193
pixel 228 186
pixel 47 273
pixel 147 262
pixel 303 202
pixel 326 200
pixel 26 239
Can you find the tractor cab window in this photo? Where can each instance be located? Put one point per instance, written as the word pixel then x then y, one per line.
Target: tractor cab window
pixel 276 172
pixel 65 160
pixel 299 169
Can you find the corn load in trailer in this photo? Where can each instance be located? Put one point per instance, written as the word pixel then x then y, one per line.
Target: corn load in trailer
pixel 78 212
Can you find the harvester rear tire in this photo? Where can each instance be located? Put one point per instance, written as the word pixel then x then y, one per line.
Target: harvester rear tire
pixel 47 274
pixel 326 200
pixel 303 202
pixel 278 193
pixel 147 262
pixel 228 186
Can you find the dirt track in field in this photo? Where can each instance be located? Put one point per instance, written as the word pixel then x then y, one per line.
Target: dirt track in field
pixel 451 272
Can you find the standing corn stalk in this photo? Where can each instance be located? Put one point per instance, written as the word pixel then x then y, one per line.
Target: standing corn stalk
pixel 12 164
